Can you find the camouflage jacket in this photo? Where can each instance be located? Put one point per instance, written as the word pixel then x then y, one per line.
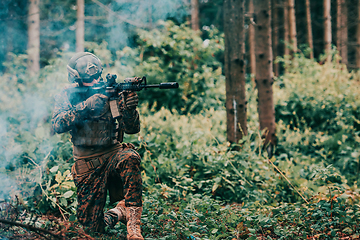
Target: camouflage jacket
pixel 67 117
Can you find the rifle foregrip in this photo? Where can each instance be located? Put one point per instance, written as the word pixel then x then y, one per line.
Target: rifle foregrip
pixel 168 85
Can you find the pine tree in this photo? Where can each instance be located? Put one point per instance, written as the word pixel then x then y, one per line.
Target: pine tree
pixel 34 37
pixel 264 72
pixel 235 69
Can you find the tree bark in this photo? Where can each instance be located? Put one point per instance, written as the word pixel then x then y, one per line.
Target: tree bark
pixel 358 38
pixel 150 13
pixel 34 37
pixel 8 41
pixel 195 15
pixel 327 29
pixel 80 26
pixel 235 69
pixel 292 26
pixel 252 41
pixel 342 31
pixel 264 72
pixel 275 35
pixel 309 29
pixel 286 28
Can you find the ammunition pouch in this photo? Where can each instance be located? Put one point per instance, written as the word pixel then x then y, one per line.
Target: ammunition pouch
pixel 88 163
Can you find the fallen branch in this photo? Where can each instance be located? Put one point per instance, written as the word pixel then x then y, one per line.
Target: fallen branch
pixel 31 228
pixel 88 237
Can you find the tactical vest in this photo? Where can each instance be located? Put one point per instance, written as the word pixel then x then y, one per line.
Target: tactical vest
pixel 98 131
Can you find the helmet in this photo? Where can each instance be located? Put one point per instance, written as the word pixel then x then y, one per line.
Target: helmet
pixel 84 67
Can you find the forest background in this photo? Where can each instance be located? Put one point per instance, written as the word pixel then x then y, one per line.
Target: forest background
pixel 200 182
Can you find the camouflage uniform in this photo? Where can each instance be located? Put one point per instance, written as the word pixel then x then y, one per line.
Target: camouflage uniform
pixel 114 166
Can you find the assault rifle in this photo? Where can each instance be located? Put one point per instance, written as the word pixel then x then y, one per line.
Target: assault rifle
pixel 111 88
pixel 133 84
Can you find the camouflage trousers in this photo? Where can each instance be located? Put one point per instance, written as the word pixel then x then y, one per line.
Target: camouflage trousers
pixel 120 175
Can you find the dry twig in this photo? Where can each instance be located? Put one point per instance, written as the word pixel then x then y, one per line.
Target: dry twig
pixel 31 228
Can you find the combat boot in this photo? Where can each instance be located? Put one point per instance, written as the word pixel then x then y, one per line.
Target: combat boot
pixel 114 215
pixel 133 216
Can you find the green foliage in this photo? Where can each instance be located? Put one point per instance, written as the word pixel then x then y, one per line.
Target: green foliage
pixel 317 96
pixel 177 53
pixel 324 218
pixel 191 217
pixel 195 187
pixel 58 188
pixel 25 128
pixel 317 106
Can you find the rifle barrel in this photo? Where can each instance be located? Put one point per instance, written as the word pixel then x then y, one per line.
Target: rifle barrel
pixel 166 85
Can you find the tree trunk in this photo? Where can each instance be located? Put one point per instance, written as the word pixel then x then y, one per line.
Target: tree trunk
pixel 8 41
pixel 235 69
pixel 252 41
pixel 292 26
pixel 264 75
pixel 34 37
pixel 150 13
pixel 342 31
pixel 80 26
pixel 195 15
pixel 309 29
pixel 358 38
pixel 275 35
pixel 327 29
pixel 286 27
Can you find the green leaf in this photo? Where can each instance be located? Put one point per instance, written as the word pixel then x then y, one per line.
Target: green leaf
pixel 68 194
pixel 215 186
pixel 72 218
pixel 54 169
pixel 63 202
pixel 59 178
pixel 347 230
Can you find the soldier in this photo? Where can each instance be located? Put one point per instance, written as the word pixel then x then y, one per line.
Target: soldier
pixel 102 161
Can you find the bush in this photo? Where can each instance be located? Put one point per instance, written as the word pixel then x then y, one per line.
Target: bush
pixel 317 106
pixel 24 122
pixel 194 186
pixel 177 53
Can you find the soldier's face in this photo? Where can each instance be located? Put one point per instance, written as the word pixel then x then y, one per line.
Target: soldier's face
pixel 95 81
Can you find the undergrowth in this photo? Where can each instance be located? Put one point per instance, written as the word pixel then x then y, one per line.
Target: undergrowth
pixel 195 187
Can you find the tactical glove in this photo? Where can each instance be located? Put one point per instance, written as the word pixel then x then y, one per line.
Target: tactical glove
pixel 131 100
pixel 128 100
pixel 94 106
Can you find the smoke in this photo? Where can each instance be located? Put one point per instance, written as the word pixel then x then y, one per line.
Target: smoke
pixel 37 109
pixel 2 129
pixel 25 113
pixel 26 103
pixel 126 17
pixel 11 26
pixel 116 23
pixel 7 185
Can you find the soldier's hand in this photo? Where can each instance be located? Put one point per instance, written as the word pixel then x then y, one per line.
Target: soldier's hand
pixel 131 100
pixel 97 104
pixel 128 100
